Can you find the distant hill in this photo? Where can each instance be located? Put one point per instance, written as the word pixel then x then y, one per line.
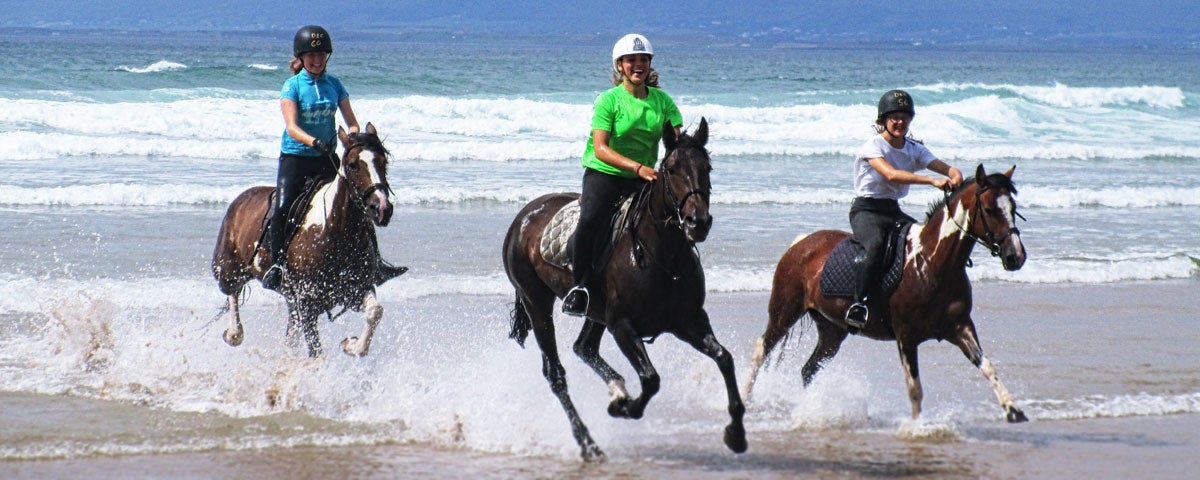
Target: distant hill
pixel 753 22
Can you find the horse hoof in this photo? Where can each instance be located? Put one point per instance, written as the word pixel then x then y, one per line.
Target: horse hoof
pixel 233 338
pixel 1016 416
pixel 593 454
pixel 351 347
pixel 735 438
pixel 619 408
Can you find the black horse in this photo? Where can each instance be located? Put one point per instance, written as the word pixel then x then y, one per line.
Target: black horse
pixel 651 283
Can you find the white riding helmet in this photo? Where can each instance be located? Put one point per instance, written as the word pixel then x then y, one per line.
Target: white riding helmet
pixel 630 44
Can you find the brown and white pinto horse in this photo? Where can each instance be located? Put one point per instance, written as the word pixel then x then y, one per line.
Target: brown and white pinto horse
pixel 932 300
pixel 333 255
pixel 652 283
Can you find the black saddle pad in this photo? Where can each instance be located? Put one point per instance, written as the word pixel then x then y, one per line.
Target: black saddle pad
pixel 840 270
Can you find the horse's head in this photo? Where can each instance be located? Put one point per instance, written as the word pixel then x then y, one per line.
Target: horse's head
pixel 993 212
pixel 685 175
pixel 364 166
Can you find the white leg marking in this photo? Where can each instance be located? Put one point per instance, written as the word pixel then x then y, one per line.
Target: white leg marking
pixel 989 372
pixel 755 364
pixel 616 391
pixel 234 334
pixel 373 312
pixel 915 392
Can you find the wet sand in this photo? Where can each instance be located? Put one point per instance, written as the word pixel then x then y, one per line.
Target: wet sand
pixel 1163 445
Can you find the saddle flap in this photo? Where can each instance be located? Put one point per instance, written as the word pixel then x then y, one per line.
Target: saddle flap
pixel 556 242
pixel 846 261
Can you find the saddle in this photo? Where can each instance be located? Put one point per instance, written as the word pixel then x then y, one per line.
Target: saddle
pixel 847 260
pixel 556 245
pixel 294 217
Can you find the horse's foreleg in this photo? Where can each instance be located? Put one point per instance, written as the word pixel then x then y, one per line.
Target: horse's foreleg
pixel 700 336
pixel 969 344
pixel 635 350
pixel 912 375
pixel 373 312
pixel 556 376
pixel 587 348
pixel 234 334
pixel 829 341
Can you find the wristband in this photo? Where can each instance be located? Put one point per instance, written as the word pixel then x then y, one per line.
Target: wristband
pixel 638 171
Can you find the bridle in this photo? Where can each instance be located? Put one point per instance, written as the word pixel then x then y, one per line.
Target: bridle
pixel 674 208
pixel 360 198
pixel 988 241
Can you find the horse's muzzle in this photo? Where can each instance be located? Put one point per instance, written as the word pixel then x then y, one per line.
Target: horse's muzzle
pixel 380 208
pixel 696 226
pixel 1012 254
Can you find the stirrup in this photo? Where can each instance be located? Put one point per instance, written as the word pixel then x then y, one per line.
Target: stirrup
pixel 273 278
pixel 575 303
pixel 856 315
pixel 385 271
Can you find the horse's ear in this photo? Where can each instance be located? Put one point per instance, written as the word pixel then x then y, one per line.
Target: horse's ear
pixel 980 175
pixel 668 136
pixel 371 128
pixel 345 139
pixel 1010 171
pixel 701 134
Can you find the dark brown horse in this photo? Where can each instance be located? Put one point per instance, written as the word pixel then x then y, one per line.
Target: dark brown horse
pixel 333 256
pixel 932 300
pixel 652 283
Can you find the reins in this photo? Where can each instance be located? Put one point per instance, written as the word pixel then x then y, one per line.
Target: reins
pixel 674 214
pixel 360 198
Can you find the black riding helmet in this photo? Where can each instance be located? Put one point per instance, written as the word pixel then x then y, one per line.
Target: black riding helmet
pixel 311 38
pixel 895 101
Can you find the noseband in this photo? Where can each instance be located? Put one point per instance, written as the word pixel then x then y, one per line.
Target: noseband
pixel 989 241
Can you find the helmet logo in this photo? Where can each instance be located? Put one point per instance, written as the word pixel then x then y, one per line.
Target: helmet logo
pixel 638 46
pixel 901 99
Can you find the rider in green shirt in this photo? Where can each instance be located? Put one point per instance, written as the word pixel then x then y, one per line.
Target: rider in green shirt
pixel 627 125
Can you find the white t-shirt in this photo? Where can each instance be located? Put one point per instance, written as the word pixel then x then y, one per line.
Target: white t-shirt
pixel 869 183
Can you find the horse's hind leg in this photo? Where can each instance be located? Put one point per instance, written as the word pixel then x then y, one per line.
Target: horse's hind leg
pixel 587 348
pixel 912 374
pixel 829 340
pixel 373 312
pixel 556 375
pixel 700 336
pixel 783 311
pixel 966 340
pixel 234 334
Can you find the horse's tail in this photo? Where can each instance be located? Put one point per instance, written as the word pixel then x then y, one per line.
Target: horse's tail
pixel 521 324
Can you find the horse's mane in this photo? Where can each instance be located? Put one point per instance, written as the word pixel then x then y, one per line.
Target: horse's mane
pixel 994 180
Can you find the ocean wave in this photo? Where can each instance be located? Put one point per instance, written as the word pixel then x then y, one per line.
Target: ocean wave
pixel 498 191
pixel 159 66
pixel 262 66
pixel 1066 96
pixel 976 128
pixel 1118 406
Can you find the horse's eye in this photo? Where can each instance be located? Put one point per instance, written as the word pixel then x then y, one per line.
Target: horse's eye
pixel 353 166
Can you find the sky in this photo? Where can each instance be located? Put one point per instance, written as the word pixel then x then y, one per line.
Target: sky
pixel 1103 22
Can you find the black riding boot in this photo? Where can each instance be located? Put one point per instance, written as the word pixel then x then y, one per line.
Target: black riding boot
pixel 274 276
pixel 385 271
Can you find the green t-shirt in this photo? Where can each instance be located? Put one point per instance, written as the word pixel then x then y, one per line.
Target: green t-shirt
pixel 635 126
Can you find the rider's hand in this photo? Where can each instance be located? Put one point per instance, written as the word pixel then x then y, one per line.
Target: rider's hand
pixel 321 146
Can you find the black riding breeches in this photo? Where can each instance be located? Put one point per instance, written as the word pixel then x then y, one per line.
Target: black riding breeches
pixel 601 192
pixel 295 174
pixel 873 221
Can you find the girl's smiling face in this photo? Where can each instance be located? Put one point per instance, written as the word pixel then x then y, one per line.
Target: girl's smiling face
pixel 635 67
pixel 314 62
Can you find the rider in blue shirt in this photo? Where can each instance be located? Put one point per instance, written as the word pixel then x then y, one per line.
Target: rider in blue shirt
pixel 310 100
